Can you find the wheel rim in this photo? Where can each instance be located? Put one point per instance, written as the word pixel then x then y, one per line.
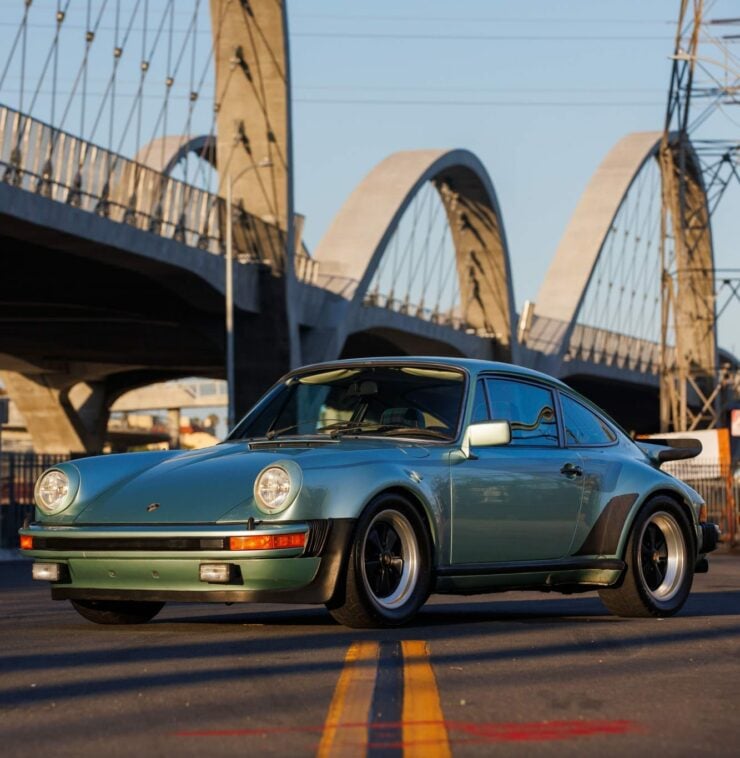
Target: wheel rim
pixel 390 560
pixel 662 556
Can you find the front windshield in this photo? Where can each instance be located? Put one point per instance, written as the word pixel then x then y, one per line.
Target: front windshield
pixel 407 401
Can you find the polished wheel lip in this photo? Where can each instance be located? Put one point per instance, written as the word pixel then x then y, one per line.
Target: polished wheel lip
pixel 409 551
pixel 661 556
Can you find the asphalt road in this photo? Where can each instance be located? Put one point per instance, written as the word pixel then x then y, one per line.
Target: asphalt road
pixel 516 674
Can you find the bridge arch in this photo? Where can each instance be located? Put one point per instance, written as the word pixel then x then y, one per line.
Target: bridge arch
pixel 164 153
pixel 570 271
pixel 604 205
pixel 358 237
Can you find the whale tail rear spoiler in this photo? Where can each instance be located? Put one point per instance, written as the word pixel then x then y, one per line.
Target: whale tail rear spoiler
pixel 660 449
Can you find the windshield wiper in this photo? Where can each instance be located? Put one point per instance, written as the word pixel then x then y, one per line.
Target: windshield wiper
pixel 411 431
pixel 385 429
pixel 350 427
pixel 277 432
pixel 347 427
pixel 339 425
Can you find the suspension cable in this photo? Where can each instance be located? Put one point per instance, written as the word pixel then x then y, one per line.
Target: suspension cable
pixel 117 52
pixel 20 36
pixel 143 68
pixel 60 18
pixel 168 82
pixel 117 56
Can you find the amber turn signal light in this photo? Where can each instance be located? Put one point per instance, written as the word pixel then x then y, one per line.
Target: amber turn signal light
pixel 267 541
pixel 703 514
pixel 26 542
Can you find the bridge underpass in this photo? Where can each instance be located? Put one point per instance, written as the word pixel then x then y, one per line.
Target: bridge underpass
pixel 87 300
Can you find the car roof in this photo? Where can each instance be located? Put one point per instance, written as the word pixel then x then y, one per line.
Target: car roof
pixel 474 366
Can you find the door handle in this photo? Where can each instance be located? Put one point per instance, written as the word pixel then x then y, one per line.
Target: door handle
pixel 570 469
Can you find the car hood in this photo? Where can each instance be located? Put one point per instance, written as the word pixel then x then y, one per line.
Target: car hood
pixel 205 485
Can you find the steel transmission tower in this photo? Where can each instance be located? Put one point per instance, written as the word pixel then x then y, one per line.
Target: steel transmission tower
pixel 691 381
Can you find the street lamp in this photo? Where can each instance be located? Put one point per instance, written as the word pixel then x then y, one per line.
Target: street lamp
pixel 231 409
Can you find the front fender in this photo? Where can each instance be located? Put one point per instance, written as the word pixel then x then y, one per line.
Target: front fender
pixel 344 492
pixel 97 474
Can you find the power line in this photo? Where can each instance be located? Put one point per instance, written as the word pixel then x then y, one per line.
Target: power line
pixel 407 35
pixel 485 19
pixel 405 88
pixel 504 103
pixel 484 37
pixel 423 88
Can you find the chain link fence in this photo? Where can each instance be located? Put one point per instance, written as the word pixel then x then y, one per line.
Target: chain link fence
pixel 719 485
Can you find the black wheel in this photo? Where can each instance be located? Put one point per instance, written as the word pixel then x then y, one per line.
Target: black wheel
pixel 660 564
pixel 388 575
pixel 117 612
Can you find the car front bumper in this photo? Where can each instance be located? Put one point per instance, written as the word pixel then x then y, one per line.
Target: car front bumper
pixel 163 564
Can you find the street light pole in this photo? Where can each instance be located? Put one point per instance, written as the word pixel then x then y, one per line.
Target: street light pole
pixel 229 309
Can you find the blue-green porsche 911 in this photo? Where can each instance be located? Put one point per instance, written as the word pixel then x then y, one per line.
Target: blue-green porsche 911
pixel 366 485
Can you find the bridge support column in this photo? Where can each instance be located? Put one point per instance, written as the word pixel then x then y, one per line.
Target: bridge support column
pixel 263 342
pixel 253 110
pixel 61 421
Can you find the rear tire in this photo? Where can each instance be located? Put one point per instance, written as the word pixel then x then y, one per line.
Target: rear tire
pixel 117 612
pixel 660 564
pixel 388 574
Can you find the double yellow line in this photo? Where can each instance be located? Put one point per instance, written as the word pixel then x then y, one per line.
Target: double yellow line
pixel 351 728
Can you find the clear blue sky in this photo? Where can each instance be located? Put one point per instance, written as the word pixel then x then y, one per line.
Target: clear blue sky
pixel 539 90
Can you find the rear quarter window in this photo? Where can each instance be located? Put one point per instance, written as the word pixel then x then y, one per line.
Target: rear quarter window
pixel 582 426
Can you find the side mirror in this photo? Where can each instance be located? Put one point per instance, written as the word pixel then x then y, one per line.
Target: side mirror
pixel 488 434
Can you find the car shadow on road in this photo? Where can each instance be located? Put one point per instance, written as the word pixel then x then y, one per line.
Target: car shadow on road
pixel 271 658
pixel 442 614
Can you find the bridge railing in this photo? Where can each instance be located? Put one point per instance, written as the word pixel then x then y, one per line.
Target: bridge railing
pixel 39 158
pixel 404 306
pixel 588 343
pixel 593 345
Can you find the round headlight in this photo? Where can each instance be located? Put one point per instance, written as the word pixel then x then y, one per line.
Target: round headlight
pixel 272 488
pixel 52 490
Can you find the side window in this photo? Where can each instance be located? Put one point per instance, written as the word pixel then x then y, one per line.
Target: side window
pixel 582 427
pixel 528 408
pixel 480 404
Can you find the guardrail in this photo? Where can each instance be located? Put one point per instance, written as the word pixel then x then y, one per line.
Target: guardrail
pixel 18 474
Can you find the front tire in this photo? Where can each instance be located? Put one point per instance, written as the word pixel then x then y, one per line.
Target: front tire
pixel 388 575
pixel 117 612
pixel 660 564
